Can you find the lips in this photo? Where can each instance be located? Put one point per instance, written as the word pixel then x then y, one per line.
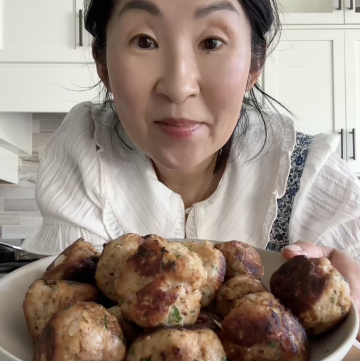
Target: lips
pixel 179 128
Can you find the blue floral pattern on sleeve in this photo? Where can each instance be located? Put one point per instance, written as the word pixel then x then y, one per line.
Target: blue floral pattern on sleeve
pixel 279 235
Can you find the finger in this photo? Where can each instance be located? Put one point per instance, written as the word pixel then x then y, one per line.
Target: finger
pixel 306 249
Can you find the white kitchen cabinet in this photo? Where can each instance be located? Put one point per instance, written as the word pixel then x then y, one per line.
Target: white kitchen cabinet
pixel 45 56
pixel 39 88
pixel 352 11
pixel 43 31
pixel 312 11
pixel 306 73
pixel 352 55
pixel 15 140
pixel 16 132
pixel 9 166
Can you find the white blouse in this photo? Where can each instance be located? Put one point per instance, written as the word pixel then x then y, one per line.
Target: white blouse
pixel 90 186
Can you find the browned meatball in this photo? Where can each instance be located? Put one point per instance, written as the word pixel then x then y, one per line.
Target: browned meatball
pixel 233 290
pixel 112 260
pixel 76 263
pixel 176 344
pixel 215 265
pixel 241 258
pixel 260 328
pixel 160 284
pixel 46 297
pixel 84 332
pixel 131 330
pixel 314 291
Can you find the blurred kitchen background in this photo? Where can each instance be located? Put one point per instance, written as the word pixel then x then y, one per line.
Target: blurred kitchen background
pixel 19 213
pixel 46 68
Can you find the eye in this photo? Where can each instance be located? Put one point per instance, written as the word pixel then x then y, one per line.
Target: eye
pixel 212 44
pixel 144 42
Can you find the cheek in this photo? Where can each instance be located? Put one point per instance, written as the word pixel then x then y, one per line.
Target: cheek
pixel 131 84
pixel 125 85
pixel 229 81
pixel 225 93
pixel 130 90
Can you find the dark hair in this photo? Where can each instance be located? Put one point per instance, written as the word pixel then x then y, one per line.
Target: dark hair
pixel 263 16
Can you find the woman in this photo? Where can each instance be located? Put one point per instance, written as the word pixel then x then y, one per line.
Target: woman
pixel 194 155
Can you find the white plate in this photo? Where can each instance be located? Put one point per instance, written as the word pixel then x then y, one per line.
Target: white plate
pixel 16 345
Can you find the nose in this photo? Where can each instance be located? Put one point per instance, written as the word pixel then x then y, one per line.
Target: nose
pixel 179 77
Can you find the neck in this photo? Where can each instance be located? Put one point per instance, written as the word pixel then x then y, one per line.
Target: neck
pixel 193 184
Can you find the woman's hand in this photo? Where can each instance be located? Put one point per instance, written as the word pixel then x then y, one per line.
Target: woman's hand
pixel 344 263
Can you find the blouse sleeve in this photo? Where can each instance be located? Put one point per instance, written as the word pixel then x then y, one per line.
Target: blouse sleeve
pixel 326 210
pixel 69 189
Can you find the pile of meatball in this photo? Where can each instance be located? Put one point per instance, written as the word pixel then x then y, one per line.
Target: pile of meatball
pixel 147 299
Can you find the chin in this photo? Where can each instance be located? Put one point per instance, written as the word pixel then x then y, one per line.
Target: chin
pixel 181 165
pixel 179 161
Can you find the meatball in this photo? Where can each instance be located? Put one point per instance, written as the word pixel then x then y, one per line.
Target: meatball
pixel 160 284
pixel 176 344
pixel 260 328
pixel 46 297
pixel 112 260
pixel 215 265
pixel 241 258
pixel 233 290
pixel 314 291
pixel 76 263
pixel 130 330
pixel 85 331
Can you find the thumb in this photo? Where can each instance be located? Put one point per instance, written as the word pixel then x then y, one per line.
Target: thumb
pixel 306 249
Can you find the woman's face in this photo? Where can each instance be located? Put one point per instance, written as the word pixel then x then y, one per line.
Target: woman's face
pixel 178 71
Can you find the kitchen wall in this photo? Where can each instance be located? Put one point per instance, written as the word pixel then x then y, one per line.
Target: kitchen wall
pixel 19 214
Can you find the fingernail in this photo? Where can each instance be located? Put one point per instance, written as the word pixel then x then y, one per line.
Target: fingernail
pixel 293 248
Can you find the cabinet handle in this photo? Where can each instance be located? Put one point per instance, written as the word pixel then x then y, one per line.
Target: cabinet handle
pixel 81 43
pixel 351 5
pixel 354 144
pixel 342 143
pixel 340 5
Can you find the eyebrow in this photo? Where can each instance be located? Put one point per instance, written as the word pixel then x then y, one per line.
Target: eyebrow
pixel 154 10
pixel 217 6
pixel 145 5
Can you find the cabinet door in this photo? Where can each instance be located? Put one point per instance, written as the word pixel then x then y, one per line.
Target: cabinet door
pixel 312 12
pixel 352 11
pixel 41 31
pixel 306 73
pixel 352 55
pixel 46 88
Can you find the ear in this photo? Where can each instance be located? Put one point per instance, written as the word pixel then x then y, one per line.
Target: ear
pixel 103 74
pixel 253 78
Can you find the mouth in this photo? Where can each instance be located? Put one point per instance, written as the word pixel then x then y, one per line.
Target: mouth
pixel 179 128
